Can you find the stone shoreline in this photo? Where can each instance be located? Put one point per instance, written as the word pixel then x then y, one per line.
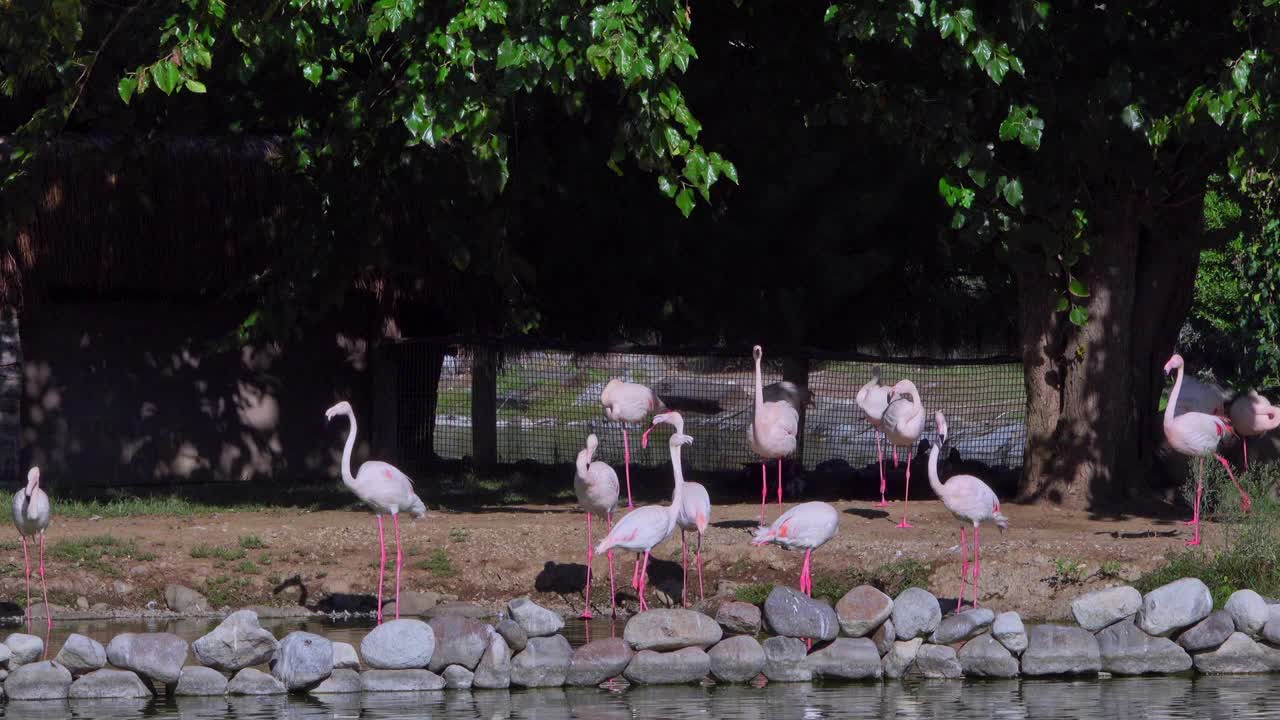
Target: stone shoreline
pixel 866 636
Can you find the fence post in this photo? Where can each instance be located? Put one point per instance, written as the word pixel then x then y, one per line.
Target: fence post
pixel 484 405
pixel 795 369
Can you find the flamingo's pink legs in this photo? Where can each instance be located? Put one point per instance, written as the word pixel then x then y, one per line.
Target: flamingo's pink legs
pixel 626 461
pixel 684 564
pixel 1195 514
pixel 700 595
pixel 764 489
pixel 382 566
pixel 1245 442
pixel 644 568
pixel 613 593
pixel 399 561
pixel 964 568
pixel 977 563
pixel 895 456
pixel 44 589
pixel 27 562
pixel 586 606
pixel 880 461
pixel 906 496
pixel 635 576
pixel 1245 501
pixel 779 481
pixel 806 580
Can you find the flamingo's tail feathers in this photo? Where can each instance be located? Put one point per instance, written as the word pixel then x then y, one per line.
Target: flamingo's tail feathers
pixel 418 509
pixel 763 535
pixel 701 521
pixel 1001 521
pixel 604 545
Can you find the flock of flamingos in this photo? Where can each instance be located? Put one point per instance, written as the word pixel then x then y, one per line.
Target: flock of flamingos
pixel 1194 425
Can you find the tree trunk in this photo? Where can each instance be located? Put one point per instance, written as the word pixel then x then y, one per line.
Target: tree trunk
pixel 417 367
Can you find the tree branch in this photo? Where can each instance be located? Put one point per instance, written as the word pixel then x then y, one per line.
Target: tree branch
pixel 83 81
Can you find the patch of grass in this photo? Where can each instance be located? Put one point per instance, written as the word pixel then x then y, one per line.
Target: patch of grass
pixel 97 553
pixel 225 590
pixel 894 577
pixel 247 567
pixel 10 546
pixel 1110 570
pixel 1067 572
pixel 438 563
pixel 203 551
pixel 264 560
pixel 128 507
pixel 459 535
pixel 755 593
pixel 251 542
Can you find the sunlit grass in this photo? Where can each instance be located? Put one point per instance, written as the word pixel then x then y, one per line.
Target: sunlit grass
pixel 127 507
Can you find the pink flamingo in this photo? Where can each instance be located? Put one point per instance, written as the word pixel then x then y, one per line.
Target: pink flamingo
pixel 1251 416
pixel 808 525
pixel 626 402
pixel 903 423
pixel 385 490
pixel 1198 435
pixel 694 514
pixel 32 515
pixel 645 528
pixel 971 501
pixel 596 486
pixel 772 433
pixel 873 398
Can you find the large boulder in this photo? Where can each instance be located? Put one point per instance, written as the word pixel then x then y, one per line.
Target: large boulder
pixel 962 626
pixel 686 665
pixel 38 681
pixel 791 613
pixel 1100 608
pixel 238 642
pixel 544 662
pixel 515 635
pixel 739 658
pixel 182 599
pixel 198 680
pixel 407 680
pixel 24 648
pixel 399 645
pixel 916 613
pixel 671 630
pixel 81 655
pixel 984 656
pixel 459 641
pixel 494 670
pixel 1170 608
pixel 1271 629
pixel 939 662
pixel 1009 631
pixel 1209 633
pixel 109 684
pixel 343 681
pixel 784 660
pixel 846 659
pixel 1248 611
pixel 303 661
pixel 1126 650
pixel 884 637
pixel 1239 654
pixel 1061 650
pixel 252 681
pixel 457 677
pixel 155 656
pixel 901 657
pixel 536 620
pixel 862 610
pixel 345 657
pixel 598 661
pixel 738 618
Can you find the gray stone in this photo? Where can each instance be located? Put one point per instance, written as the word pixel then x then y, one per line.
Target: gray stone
pixel 25 648
pixel 494 670
pixel 238 642
pixel 791 613
pixel 200 680
pixel 1126 650
pixel 544 662
pixel 916 613
pixel 938 662
pixel 182 599
pixel 962 626
pixel 252 681
pixel 898 661
pixel 81 655
pixel 1271 629
pixel 415 680
pixel 862 610
pixel 984 656
pixel 155 656
pixel 459 641
pixel 598 661
pixel 1209 633
pixel 683 666
pixel 671 630
pixel 109 684
pixel 1100 608
pixel 303 661
pixel 1239 654
pixel 1248 611
pixel 515 635
pixel 536 620
pixel 738 618
pixel 465 609
pixel 1009 632
pixel 343 681
pixel 884 637
pixel 412 604
pixel 1061 650
pixel 739 658
pixel 345 657
pixel 399 645
pixel 38 681
pixel 6 655
pixel 846 659
pixel 1170 608
pixel 784 660
pixel 457 677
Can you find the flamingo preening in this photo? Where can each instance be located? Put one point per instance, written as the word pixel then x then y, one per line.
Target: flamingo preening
pixel 971 501
pixel 1251 416
pixel 32 515
pixel 626 402
pixel 808 525
pixel 385 489
pixel 694 512
pixel 772 433
pixel 1198 435
pixel 903 423
pixel 596 485
pixel 873 398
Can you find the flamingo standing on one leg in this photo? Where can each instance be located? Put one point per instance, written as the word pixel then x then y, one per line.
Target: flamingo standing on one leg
pixel 1198 435
pixel 384 489
pixel 596 486
pixel 807 525
pixel 1251 416
pixel 873 398
pixel 626 402
pixel 971 501
pixel 903 423
pixel 694 512
pixel 32 515
pixel 772 433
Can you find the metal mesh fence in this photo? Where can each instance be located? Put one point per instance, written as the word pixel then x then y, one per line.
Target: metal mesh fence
pixel 548 401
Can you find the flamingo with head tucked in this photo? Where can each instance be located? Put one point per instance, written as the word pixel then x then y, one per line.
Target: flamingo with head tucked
pixel 772 433
pixel 694 512
pixel 1252 416
pixel 626 402
pixel 32 515
pixel 808 525
pixel 903 423
pixel 596 485
pixel 873 398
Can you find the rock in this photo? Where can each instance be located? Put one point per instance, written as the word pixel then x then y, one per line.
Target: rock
pixel 884 637
pixel 345 657
pixel 1271 630
pixel 846 659
pixel 1239 654
pixel 984 656
pixel 494 670
pixel 200 680
pixel 399 645
pixel 1060 650
pixel 1100 608
pixel 901 657
pixel 784 660
pixel 413 604
pixel 916 613
pixel 155 656
pixel 81 655
pixel 251 681
pixel 343 681
pixel 739 658
pixel 25 648
pixel 238 642
pixel 1169 608
pixel 938 662
pixel 465 609
pixel 82 603
pixel 121 587
pixel 683 666
pixel 598 661
pixel 303 661
pixel 109 684
pixel 1126 650
pixel 671 630
pixel 1209 633
pixel 1248 611
pixel 515 635
pixel 536 620
pixel 963 626
pixel 38 681
pixel 458 677
pixel 738 618
pixel 272 612
pixel 459 641
pixel 862 610
pixel 791 613
pixel 6 655
pixel 182 599
pixel 1009 632
pixel 400 681
pixel 544 662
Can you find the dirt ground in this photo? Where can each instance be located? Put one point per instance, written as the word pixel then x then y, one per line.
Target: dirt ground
pixel 327 559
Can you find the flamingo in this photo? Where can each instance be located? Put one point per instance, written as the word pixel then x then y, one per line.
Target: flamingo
pixel 645 528
pixel 626 402
pixel 808 525
pixel 772 433
pixel 1251 416
pixel 32 515
pixel 903 423
pixel 873 398
pixel 695 510
pixel 596 486
pixel 971 501
pixel 1198 435
pixel 385 490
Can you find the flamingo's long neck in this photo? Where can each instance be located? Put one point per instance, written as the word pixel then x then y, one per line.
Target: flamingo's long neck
pixel 347 477
pixel 678 495
pixel 934 481
pixel 582 466
pixel 759 390
pixel 1173 399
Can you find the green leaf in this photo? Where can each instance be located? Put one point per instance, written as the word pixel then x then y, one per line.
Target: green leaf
pixel 667 187
pixel 1131 116
pixel 1062 304
pixel 126 87
pixel 684 201
pixel 166 76
pixel 730 171
pixel 1077 288
pixel 313 72
pixel 1240 75
pixel 508 54
pixel 196 86
pixel 831 13
pixel 1013 192
pixel 1079 316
